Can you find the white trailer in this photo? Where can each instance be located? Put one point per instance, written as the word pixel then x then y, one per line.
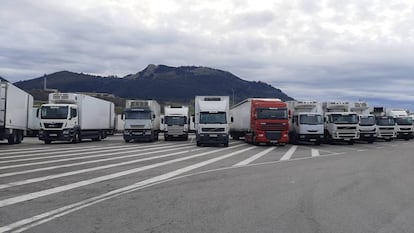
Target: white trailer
pixel 306 122
pixel 142 120
pixel 404 123
pixel 175 122
pixel 34 123
pixel 212 117
pixel 74 117
pixel 15 111
pixel 340 123
pixel 367 124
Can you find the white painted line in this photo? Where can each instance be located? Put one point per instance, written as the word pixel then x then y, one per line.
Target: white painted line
pixel 49 151
pixel 289 153
pixel 94 150
pixel 24 149
pixel 50 177
pixel 53 214
pixel 315 153
pixel 35 195
pixel 254 157
pixel 362 150
pixel 91 161
pixel 81 157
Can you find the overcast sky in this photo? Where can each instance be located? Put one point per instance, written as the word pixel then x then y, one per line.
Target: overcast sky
pixel 319 50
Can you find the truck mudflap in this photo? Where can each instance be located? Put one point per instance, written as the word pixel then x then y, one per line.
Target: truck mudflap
pixel 212 139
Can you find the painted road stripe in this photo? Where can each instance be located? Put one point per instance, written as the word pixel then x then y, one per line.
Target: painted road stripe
pixel 289 153
pixel 315 153
pixel 49 151
pixel 82 157
pixel 50 215
pixel 50 177
pixel 254 157
pixel 35 195
pixel 94 150
pixel 25 149
pixel 91 161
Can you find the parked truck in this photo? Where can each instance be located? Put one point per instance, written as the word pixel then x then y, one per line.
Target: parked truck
pixel 212 118
pixel 74 117
pixel 260 120
pixel 340 123
pixel 15 112
pixel 175 122
pixel 142 120
pixel 386 128
pixel 306 122
pixel 367 124
pixel 404 123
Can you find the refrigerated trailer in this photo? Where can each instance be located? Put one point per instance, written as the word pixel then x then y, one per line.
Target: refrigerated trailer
pixel 15 111
pixel 306 122
pixel 260 120
pixel 74 117
pixel 142 120
pixel 175 122
pixel 212 118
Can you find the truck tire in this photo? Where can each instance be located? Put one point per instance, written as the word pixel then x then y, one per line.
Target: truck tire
pixel 19 137
pixel 12 138
pixel 74 138
pixel 48 141
pixel 226 144
pixel 198 144
pixel 351 142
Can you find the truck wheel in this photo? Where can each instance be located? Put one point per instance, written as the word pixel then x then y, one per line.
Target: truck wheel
pixel 198 144
pixel 350 142
pixel 19 137
pixel 317 143
pixel 226 144
pixel 74 138
pixel 166 138
pixel 11 139
pixel 48 141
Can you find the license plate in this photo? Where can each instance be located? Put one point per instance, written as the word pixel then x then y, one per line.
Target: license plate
pixel 213 135
pixel 273 141
pixel 312 140
pixel 53 135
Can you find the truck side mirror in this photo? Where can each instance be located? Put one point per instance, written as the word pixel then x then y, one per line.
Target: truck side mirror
pixel 232 119
pixel 37 112
pixel 193 119
pixel 123 116
pixel 162 120
pixel 153 116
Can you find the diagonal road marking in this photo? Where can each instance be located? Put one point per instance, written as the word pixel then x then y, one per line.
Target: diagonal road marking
pixel 289 153
pixel 254 157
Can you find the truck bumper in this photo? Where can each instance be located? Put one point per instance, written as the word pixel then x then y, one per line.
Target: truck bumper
pixel 271 137
pixel 138 135
pixel 56 135
pixel 311 137
pixel 205 138
pixel 367 136
pixel 405 135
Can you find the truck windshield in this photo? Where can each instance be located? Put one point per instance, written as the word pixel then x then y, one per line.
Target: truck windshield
pixel 213 118
pixel 54 112
pixel 344 119
pixel 367 121
pixel 404 120
pixel 387 121
pixel 138 115
pixel 272 113
pixel 311 119
pixel 175 120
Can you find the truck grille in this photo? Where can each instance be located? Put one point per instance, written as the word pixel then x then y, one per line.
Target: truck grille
pixel 273 135
pixel 274 126
pixel 137 126
pixel 347 128
pixel 53 125
pixel 213 129
pixel 175 130
pixel 405 129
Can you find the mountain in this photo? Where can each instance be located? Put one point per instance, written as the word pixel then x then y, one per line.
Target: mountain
pixel 160 82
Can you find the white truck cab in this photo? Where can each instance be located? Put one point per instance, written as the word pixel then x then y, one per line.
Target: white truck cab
pixel 367 125
pixel 404 123
pixel 340 123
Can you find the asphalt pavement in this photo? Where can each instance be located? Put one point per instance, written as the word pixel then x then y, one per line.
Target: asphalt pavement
pixel 175 186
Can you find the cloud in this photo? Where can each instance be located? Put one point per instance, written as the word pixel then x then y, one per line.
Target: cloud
pixel 325 49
